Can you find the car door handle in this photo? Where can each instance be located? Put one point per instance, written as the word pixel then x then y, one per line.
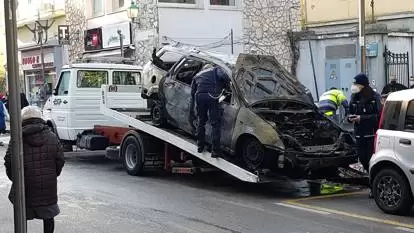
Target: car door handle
pixel 65 102
pixel 405 141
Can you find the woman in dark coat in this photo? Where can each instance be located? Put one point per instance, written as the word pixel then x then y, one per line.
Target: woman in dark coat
pixel 40 169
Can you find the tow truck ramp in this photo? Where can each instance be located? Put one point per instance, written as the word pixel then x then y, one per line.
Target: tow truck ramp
pixel 113 104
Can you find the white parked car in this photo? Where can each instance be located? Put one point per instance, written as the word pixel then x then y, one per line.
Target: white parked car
pixel 160 63
pixel 392 165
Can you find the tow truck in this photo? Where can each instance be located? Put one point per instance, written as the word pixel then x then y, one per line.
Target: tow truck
pixel 145 146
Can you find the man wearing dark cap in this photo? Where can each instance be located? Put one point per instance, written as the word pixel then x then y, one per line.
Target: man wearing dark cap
pixel 393 86
pixel 365 108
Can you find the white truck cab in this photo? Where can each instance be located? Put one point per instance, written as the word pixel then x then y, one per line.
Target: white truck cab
pixel 74 106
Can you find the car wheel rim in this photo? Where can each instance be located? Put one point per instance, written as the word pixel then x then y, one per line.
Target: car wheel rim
pixel 389 191
pixel 131 156
pixel 254 155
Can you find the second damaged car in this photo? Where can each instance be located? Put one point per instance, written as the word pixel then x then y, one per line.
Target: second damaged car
pixel 269 121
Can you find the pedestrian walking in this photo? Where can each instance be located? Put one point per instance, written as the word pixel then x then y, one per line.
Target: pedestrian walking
pixel 365 109
pixel 43 163
pixel 206 89
pixel 331 100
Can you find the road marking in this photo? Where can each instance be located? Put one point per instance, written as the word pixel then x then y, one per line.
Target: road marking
pixel 347 214
pixel 405 229
pixel 302 208
pixel 329 196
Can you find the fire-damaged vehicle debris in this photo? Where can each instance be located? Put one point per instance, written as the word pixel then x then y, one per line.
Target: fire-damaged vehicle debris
pixel 269 122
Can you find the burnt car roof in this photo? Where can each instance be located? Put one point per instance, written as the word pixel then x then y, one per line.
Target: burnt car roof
pixel 261 77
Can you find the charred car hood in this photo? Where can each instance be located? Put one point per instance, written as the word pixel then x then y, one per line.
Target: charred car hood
pixel 260 77
pixel 302 127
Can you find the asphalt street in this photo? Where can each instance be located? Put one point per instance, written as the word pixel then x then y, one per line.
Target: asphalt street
pixel 97 196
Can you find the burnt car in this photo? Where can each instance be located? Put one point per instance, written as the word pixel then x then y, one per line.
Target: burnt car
pixel 269 122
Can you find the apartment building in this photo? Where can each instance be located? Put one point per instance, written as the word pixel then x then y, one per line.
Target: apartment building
pixel 336 48
pixel 37 23
pixel 204 23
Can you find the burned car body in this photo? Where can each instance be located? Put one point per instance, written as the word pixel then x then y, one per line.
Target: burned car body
pixel 268 118
pixel 161 61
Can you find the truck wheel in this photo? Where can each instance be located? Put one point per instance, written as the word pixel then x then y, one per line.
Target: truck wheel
pixel 132 154
pixel 157 115
pixel 253 153
pixel 391 192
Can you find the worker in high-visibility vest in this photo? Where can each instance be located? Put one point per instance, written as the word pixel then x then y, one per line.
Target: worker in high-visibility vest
pixel 331 100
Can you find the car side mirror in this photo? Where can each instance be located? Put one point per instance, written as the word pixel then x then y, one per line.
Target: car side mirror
pixel 54 92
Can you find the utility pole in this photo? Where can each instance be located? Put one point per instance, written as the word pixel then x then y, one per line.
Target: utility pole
pixel 15 114
pixel 232 41
pixel 42 56
pixel 362 33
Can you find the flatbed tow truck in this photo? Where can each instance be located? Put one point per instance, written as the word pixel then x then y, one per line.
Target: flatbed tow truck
pixel 144 146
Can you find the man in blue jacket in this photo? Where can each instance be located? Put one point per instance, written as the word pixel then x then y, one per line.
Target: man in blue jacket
pixel 206 88
pixel 365 109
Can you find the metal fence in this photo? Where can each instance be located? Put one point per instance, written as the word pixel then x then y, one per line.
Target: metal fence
pixel 397 64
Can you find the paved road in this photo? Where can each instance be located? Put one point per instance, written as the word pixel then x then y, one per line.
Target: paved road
pixel 97 196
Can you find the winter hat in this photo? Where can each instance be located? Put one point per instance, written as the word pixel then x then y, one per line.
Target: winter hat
pixel 361 79
pixel 31 112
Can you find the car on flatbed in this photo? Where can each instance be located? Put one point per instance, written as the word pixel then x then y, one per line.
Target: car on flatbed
pixel 269 120
pixel 392 165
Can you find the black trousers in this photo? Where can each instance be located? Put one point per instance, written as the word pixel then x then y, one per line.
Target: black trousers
pixel 365 146
pixel 208 109
pixel 48 225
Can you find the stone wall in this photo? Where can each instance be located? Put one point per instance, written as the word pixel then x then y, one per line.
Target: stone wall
pixel 145 31
pixel 76 19
pixel 268 27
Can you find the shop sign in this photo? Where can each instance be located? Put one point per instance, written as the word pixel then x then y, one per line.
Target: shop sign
pixel 63 34
pixel 372 50
pixel 111 37
pixel 93 39
pixel 34 62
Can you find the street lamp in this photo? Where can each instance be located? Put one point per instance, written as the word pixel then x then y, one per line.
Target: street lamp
pixel 132 11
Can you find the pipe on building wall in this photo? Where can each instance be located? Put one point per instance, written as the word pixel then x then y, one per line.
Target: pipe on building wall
pixel 303 15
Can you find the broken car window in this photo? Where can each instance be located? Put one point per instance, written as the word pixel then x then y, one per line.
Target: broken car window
pixel 188 70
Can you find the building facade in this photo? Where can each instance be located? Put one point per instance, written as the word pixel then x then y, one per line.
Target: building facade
pixel 331 38
pixel 206 24
pixel 35 42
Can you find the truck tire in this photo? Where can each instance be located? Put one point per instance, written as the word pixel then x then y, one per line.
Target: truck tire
pixel 132 154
